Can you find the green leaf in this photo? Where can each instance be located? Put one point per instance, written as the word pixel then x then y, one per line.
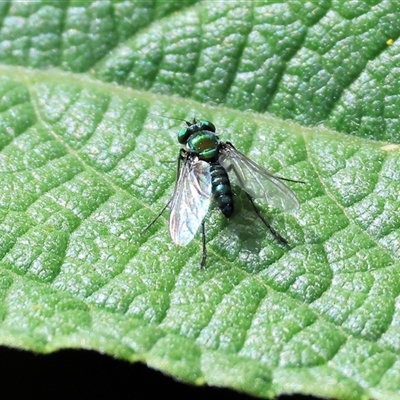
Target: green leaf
pixel 315 62
pixel 85 166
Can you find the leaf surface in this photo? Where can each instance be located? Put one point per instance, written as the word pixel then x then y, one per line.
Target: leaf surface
pixel 85 166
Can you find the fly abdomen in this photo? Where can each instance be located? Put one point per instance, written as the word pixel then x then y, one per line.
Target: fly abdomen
pixel 221 189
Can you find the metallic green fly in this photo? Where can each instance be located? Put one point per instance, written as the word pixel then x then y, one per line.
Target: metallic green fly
pixel 206 169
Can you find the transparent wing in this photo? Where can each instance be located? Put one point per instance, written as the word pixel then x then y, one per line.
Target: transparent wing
pixel 190 201
pixel 256 181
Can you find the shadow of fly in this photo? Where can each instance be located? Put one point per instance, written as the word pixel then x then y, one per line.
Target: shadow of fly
pixel 206 169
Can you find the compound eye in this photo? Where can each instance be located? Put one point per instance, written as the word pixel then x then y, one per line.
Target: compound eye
pixel 208 126
pixel 183 135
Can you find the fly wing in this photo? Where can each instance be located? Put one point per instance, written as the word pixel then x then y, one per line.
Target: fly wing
pixel 256 181
pixel 190 201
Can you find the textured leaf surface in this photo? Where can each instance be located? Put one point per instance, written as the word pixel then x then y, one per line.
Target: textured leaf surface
pixel 84 167
pixel 316 62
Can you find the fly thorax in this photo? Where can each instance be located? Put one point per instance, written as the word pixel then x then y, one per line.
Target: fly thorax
pixel 205 144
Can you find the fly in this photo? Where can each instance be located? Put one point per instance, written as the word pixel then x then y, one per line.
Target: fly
pixel 206 169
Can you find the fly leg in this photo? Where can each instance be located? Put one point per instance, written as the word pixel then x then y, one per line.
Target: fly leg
pixel 156 218
pixel 267 224
pixel 204 257
pixel 181 156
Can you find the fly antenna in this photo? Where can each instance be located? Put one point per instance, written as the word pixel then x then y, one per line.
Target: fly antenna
pixel 164 116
